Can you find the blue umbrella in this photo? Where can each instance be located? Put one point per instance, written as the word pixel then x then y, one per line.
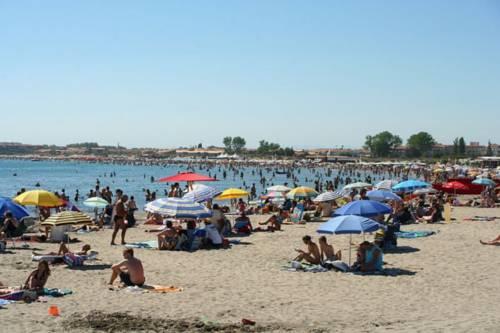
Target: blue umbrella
pixel 379 195
pixel 348 224
pixel 7 205
pixel 410 185
pixel 178 208
pixel 484 181
pixel 366 208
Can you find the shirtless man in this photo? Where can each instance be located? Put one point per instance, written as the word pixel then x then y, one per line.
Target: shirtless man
pixel 130 270
pixel 327 251
pixel 312 255
pixel 119 219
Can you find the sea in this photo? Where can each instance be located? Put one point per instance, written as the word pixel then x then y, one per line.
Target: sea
pixel 135 179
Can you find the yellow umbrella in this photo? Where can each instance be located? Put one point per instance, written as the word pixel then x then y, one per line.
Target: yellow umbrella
pixel 232 193
pixel 67 218
pixel 439 170
pixel 302 192
pixel 38 198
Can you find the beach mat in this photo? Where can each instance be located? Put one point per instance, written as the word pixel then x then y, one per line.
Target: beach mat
pixel 414 234
pixel 152 244
pixel 481 218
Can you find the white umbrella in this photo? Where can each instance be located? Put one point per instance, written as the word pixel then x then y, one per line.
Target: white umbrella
pixel 386 184
pixel 278 188
pixel 178 208
pixel 357 185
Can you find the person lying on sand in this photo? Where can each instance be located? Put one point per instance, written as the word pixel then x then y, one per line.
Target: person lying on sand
pixel 312 255
pixel 63 249
pixel 327 251
pixel 38 278
pixel 130 270
pixel 495 241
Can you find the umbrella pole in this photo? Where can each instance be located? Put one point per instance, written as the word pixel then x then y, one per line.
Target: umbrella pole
pixel 350 241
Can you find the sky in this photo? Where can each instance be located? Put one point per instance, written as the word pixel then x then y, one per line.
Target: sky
pixel 301 73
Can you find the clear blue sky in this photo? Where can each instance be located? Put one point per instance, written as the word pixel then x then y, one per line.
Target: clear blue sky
pixel 301 73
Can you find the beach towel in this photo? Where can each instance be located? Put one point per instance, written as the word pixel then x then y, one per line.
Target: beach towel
pixel 4 302
pixel 414 234
pixel 162 289
pixel 53 258
pixel 152 244
pixel 295 266
pixel 55 292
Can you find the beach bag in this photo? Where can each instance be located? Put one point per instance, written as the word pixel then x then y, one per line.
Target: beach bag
pixel 73 260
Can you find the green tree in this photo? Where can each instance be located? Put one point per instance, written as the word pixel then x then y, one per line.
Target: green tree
pixel 382 144
pixel 228 145
pixel 489 150
pixel 238 144
pixel 420 144
pixel 461 146
pixel 455 147
pixel 268 148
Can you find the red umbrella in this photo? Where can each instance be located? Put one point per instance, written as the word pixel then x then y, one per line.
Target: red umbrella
pixel 187 176
pixel 454 185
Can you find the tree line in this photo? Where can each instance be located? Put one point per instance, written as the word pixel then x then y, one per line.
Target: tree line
pixel 421 144
pixel 237 144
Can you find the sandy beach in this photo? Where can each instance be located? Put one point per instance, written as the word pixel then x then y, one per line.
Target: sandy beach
pixel 445 282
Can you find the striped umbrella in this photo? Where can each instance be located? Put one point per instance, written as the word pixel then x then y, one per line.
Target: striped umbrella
pixel 201 193
pixel 180 208
pixel 67 218
pixel 232 193
pixel 329 196
pixel 96 202
pixel 302 192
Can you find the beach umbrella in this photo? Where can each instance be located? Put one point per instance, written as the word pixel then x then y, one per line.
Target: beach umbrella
pixel 96 202
pixel 454 185
pixel 348 224
pixel 180 208
pixel 428 190
pixel 357 185
pixel 232 193
pixel 274 195
pixel 38 198
pixel 201 193
pixel 278 188
pixel 329 196
pixel 366 208
pixel 302 192
pixel 186 176
pixel 7 205
pixel 410 185
pixel 386 184
pixel 379 195
pixel 67 218
pixel 484 182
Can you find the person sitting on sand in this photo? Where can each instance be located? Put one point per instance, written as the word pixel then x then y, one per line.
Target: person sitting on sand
pixel 276 220
pixel 242 224
pixel 38 278
pixel 327 251
pixel 130 271
pixel 155 219
pixel 495 241
pixel 167 239
pixel 369 258
pixel 312 255
pixel 9 226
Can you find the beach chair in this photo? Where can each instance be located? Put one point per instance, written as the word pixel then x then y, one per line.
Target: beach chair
pixel 297 214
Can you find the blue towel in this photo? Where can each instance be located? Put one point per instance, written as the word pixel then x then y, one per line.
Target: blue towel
pixel 414 234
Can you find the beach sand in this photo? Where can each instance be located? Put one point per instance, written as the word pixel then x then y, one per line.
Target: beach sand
pixel 446 282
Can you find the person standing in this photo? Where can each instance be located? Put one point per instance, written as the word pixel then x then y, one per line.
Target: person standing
pixel 119 219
